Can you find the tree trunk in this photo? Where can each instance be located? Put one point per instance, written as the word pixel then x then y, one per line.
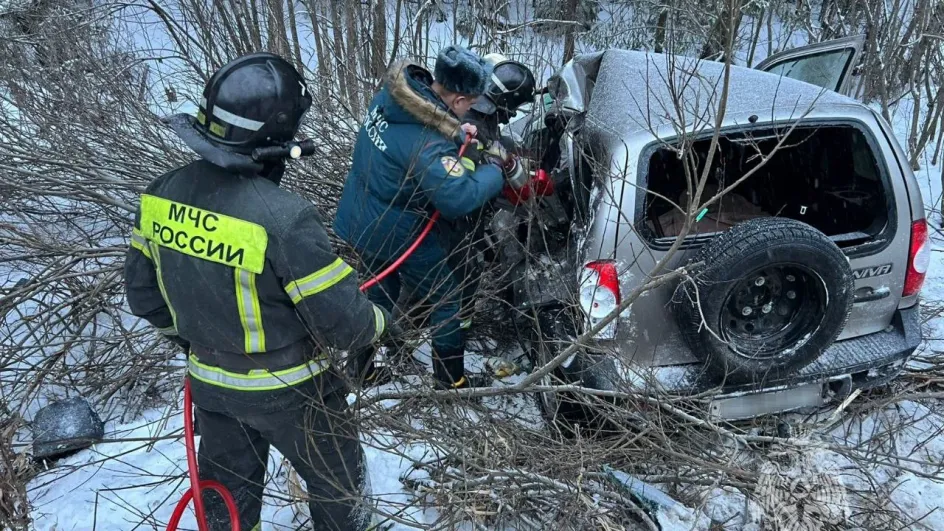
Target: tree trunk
pixel 293 26
pixel 320 47
pixel 758 24
pixel 231 28
pixel 363 37
pixel 827 30
pixel 208 41
pixel 724 28
pixel 278 43
pixel 396 33
pixel 661 21
pixel 770 32
pixel 429 24
pixel 418 35
pixel 338 50
pixel 351 68
pixel 455 17
pixel 256 27
pixel 570 13
pixel 937 149
pixel 244 39
pixel 379 44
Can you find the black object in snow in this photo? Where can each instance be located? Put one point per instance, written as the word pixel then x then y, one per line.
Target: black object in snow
pixel 65 426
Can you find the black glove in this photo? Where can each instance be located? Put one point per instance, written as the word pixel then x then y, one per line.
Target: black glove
pixel 391 329
pixel 182 343
pixel 393 332
pixel 361 367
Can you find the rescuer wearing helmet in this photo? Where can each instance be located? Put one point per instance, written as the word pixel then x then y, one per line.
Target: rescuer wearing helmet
pixel 406 165
pixel 511 85
pixel 241 274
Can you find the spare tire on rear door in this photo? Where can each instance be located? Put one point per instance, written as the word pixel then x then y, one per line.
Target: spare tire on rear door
pixel 771 296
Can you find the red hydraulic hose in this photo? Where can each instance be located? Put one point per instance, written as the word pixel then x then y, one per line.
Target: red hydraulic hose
pixel 406 254
pixel 196 486
pixel 419 239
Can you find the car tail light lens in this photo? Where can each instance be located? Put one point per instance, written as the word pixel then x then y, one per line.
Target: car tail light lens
pixel 919 258
pixel 600 295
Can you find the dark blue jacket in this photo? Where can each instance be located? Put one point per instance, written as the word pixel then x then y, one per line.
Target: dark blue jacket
pixel 405 167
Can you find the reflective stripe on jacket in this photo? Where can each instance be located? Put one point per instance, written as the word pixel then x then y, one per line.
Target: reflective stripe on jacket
pixel 238 265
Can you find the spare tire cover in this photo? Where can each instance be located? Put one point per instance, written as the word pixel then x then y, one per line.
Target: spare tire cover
pixel 769 297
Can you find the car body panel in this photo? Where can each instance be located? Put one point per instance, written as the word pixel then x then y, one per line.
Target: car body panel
pixel 861 362
pixel 912 188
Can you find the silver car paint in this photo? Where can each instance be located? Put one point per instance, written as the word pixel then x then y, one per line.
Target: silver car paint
pixel 619 132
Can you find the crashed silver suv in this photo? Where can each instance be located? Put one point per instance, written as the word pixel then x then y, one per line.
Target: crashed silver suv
pixel 801 274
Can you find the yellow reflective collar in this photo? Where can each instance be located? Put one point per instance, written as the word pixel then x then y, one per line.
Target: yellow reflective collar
pixel 204 234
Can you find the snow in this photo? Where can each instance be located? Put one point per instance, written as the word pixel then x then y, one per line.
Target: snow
pixel 123 485
pixel 119 485
pixel 734 509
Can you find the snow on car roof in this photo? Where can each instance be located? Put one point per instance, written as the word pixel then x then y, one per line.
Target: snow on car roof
pixel 633 93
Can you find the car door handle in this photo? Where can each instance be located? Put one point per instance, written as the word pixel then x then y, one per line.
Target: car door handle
pixel 872 295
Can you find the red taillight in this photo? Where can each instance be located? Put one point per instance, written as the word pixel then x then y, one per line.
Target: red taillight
pixel 919 258
pixel 609 278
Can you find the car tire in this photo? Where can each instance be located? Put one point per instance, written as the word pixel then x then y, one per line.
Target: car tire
pixel 540 338
pixel 769 297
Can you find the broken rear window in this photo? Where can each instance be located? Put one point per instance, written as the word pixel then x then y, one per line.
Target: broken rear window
pixel 826 176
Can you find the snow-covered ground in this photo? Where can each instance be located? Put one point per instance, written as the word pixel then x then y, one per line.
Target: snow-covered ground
pixel 136 483
pixel 123 485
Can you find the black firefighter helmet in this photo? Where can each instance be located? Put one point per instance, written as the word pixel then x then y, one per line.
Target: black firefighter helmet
pixel 512 85
pixel 256 100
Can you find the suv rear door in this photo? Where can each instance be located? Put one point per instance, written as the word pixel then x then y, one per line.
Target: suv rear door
pixel 832 65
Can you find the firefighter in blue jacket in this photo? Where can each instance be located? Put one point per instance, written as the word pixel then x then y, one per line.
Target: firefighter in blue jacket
pixel 405 166
pixel 241 274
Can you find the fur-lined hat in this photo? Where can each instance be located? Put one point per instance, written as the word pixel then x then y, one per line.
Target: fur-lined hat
pixel 459 70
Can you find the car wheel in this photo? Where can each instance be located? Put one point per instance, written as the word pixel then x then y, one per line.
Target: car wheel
pixel 541 339
pixel 771 296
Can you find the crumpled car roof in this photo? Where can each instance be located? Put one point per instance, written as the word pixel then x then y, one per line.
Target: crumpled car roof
pixel 634 91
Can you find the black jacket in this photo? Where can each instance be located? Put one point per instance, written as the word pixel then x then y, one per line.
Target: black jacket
pixel 240 266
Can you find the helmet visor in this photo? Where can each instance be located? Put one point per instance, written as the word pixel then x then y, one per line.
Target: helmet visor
pixel 484 105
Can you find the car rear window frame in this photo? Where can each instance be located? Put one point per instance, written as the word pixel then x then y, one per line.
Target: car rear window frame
pixel 693 241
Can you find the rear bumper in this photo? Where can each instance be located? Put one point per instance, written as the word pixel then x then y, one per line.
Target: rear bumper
pixel 860 362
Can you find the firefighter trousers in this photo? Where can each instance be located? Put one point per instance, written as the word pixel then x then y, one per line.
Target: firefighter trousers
pixel 316 433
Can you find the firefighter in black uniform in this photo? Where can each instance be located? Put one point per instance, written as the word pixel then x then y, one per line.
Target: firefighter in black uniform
pixel 242 275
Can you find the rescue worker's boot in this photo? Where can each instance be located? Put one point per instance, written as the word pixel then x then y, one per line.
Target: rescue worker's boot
pixel 449 370
pixel 466 381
